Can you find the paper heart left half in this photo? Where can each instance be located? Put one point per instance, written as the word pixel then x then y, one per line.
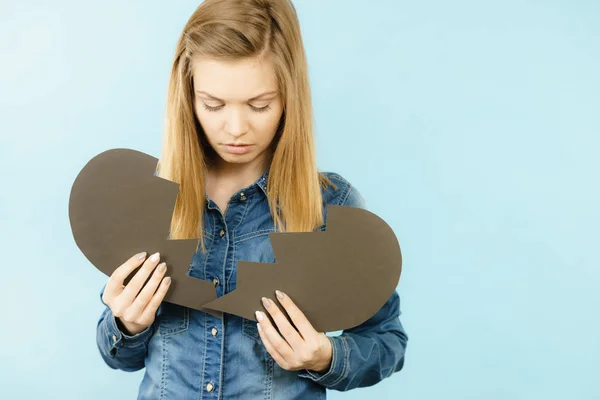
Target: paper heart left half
pixel 118 208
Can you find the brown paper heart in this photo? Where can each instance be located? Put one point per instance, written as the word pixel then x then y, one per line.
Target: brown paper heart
pixel 338 278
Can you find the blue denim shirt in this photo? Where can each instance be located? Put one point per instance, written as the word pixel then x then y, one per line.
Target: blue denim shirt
pixel 189 354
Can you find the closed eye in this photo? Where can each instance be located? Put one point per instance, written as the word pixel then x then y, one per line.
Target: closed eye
pixel 209 108
pixel 260 109
pixel 255 109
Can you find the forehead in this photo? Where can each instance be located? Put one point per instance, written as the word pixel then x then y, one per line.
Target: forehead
pixel 236 80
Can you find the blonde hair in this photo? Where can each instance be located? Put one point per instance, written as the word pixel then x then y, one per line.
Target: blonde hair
pixel 233 30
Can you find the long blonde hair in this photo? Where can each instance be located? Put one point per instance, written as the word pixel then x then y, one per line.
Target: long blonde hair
pixel 233 30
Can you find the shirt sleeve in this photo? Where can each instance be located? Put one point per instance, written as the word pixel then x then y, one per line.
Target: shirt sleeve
pixel 368 353
pixel 119 350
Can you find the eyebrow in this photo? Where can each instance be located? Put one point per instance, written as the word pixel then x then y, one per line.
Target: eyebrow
pixel 252 99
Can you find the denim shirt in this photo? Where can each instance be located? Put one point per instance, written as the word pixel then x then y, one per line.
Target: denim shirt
pixel 189 354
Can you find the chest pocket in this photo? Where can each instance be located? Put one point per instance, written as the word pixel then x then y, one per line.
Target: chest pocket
pixel 172 319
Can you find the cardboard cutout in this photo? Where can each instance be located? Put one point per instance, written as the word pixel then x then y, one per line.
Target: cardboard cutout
pixel 339 278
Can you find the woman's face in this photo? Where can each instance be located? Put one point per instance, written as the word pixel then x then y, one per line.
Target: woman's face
pixel 238 107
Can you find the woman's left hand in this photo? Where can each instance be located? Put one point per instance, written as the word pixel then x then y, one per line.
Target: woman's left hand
pixel 304 348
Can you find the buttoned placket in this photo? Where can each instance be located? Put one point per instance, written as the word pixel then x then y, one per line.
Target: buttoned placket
pixel 210 380
pixel 212 369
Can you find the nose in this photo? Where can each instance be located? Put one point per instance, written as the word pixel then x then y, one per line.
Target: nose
pixel 236 123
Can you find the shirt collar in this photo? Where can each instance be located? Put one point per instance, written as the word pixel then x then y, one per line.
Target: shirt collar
pixel 262 181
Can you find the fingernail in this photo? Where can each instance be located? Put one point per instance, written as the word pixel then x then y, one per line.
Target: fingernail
pixel 167 281
pixel 162 267
pixel 141 255
pixel 279 294
pixel 155 257
pixel 259 315
pixel 266 302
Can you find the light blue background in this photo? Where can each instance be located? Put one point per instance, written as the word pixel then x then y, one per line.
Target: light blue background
pixel 471 127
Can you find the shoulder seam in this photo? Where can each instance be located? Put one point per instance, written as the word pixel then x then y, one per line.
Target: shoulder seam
pixel 345 194
pixel 343 190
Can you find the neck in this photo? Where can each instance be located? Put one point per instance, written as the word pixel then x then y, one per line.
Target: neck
pixel 238 175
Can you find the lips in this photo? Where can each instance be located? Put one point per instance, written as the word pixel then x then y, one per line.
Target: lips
pixel 237 148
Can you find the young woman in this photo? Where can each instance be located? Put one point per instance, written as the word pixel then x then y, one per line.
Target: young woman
pixel 239 141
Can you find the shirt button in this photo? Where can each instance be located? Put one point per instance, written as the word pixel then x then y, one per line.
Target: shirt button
pixel 210 387
pixel 214 331
pixel 114 338
pixel 242 196
pixel 216 281
pixel 222 232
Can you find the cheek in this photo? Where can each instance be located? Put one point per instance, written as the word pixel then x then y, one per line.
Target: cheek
pixel 268 125
pixel 265 130
pixel 209 123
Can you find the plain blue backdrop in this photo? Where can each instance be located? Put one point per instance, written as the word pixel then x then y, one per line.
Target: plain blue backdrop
pixel 472 127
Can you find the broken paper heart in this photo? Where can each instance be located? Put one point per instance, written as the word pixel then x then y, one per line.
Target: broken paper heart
pixel 338 278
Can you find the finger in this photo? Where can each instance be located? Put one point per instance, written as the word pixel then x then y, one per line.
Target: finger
pixel 271 349
pixel 135 284
pixel 150 310
pixel 274 337
pixel 142 299
pixel 297 316
pixel 290 333
pixel 114 286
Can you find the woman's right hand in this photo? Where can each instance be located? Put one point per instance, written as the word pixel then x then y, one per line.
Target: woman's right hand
pixel 134 311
